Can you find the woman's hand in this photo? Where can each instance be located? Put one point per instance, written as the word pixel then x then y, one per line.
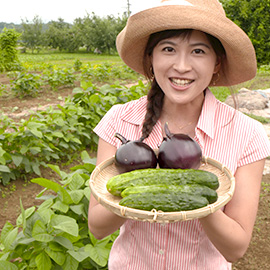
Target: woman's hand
pixel 102 222
pixel 231 231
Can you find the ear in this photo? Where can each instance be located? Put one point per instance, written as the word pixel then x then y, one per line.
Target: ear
pixel 217 66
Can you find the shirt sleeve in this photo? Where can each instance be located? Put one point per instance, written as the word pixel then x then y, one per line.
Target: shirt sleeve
pixel 106 128
pixel 258 147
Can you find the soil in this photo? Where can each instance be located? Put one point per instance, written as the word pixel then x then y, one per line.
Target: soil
pixel 257 255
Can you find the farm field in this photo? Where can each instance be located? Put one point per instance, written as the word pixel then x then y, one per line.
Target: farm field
pixel 257 256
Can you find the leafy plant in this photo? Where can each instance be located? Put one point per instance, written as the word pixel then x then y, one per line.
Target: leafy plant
pixel 77 65
pixel 58 133
pixel 8 53
pixel 26 84
pixel 55 234
pixel 59 77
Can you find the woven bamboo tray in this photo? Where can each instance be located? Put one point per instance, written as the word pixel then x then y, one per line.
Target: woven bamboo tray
pixel 107 169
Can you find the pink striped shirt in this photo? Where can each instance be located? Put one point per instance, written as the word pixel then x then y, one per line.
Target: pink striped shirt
pixel 223 134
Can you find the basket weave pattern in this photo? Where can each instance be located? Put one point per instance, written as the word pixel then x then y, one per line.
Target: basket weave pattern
pixel 107 169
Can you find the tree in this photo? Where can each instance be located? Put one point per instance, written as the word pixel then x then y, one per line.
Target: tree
pixel 61 35
pixel 101 32
pixel 8 53
pixel 32 33
pixel 253 17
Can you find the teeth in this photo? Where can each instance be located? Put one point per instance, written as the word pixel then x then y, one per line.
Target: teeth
pixel 180 82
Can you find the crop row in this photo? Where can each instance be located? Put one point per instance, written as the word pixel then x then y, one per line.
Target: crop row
pixel 57 133
pixel 29 83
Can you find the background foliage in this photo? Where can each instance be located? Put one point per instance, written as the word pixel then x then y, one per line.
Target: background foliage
pixel 93 32
pixel 8 53
pixel 253 17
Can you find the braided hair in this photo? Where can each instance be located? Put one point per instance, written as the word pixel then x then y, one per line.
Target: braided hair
pixel 153 110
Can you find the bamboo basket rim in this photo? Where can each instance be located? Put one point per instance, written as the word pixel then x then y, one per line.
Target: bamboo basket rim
pixel 107 169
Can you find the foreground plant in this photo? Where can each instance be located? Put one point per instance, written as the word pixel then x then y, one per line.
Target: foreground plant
pixel 55 234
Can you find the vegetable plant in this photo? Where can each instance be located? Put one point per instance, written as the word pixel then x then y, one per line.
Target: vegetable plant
pixel 26 84
pixel 55 235
pixel 57 133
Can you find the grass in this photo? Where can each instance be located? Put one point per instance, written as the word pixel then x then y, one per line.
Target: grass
pixel 66 59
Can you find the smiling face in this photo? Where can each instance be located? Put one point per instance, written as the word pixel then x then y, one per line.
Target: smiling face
pixel 184 66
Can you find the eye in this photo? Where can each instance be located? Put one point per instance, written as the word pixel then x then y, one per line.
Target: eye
pixel 168 49
pixel 198 51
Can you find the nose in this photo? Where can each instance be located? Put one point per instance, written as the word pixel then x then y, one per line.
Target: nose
pixel 182 64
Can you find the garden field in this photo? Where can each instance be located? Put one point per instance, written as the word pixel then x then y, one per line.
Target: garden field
pixel 48 111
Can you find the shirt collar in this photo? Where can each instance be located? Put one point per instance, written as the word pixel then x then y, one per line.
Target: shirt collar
pixel 135 114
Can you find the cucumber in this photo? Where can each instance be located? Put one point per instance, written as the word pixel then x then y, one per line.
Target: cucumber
pixel 170 201
pixel 204 191
pixel 147 177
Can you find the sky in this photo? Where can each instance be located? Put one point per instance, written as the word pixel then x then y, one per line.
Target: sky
pixel 14 11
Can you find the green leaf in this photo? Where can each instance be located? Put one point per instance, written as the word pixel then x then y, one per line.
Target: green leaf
pixel 58 134
pixel 47 183
pixel 24 149
pixel 65 197
pixel 58 205
pixel 39 232
pixel 35 150
pixel 79 255
pixel 10 238
pixel 99 254
pixel 78 209
pixel 76 140
pixel 43 261
pixel 17 160
pixel 87 192
pixel 65 224
pixel 36 133
pixel 46 204
pixel 76 195
pixel 86 158
pixel 22 215
pixel 63 242
pixel 58 256
pixel 45 214
pixel 59 121
pixel 4 168
pixel 8 266
pixel 25 215
pixel 8 227
pixel 56 169
pixel 70 263
pixel 76 182
pixel 36 169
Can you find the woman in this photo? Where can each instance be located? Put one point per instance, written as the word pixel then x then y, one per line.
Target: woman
pixel 181 64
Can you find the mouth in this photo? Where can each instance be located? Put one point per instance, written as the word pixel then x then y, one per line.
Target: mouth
pixel 181 82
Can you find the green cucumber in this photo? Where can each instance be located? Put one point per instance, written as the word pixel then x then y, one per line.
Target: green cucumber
pixel 167 202
pixel 147 177
pixel 204 191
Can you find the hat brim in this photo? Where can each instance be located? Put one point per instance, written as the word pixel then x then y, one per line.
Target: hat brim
pixel 240 63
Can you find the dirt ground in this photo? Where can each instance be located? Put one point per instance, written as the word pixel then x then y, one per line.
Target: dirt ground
pixel 257 256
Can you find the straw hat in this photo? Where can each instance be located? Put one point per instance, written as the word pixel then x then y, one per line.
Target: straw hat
pixel 204 15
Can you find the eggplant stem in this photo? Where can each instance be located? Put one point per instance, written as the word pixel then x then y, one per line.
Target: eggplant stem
pixel 120 137
pixel 167 131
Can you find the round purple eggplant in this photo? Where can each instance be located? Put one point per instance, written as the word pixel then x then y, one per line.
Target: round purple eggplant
pixel 134 155
pixel 179 151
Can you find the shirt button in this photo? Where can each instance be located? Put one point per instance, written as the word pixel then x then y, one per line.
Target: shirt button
pixel 161 251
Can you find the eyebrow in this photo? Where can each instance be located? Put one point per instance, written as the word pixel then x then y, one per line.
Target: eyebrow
pixel 162 42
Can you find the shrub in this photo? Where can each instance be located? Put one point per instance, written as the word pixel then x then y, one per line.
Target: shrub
pixel 55 234
pixel 8 53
